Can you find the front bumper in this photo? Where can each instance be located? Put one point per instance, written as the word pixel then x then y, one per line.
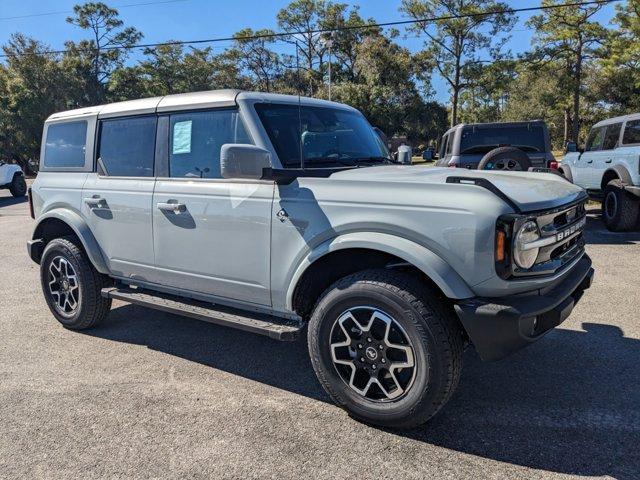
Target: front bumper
pixel 500 326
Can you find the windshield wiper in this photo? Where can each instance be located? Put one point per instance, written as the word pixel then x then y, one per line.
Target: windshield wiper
pixel 373 159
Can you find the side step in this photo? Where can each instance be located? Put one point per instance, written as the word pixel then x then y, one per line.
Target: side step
pixel 262 324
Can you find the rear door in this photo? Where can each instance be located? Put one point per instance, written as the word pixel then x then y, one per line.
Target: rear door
pixel 211 235
pixel 117 197
pixel 583 170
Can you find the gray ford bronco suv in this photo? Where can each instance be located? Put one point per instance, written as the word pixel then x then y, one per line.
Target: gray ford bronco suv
pixel 273 213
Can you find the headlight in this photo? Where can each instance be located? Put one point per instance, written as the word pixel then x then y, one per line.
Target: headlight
pixel 525 256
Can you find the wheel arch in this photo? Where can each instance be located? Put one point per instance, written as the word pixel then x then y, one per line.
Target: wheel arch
pixel 566 172
pixel 616 172
pixel 356 251
pixel 62 222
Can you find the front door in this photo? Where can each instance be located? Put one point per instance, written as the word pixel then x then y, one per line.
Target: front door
pixel 211 235
pixel 584 171
pixel 116 201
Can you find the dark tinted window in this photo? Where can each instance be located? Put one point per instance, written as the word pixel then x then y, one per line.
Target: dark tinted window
pixel 196 139
pixel 443 145
pixel 631 132
pixel 65 145
pixel 330 136
pixel 595 139
pixel 612 136
pixel 127 147
pixel 482 139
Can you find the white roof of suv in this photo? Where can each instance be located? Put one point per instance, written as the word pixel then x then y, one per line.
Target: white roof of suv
pixel 188 101
pixel 620 119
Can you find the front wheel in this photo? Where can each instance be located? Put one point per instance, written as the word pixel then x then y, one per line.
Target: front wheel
pixel 72 286
pixel 385 348
pixel 18 186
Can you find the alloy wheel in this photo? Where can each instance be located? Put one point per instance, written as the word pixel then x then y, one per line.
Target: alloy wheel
pixel 611 205
pixel 372 354
pixel 64 286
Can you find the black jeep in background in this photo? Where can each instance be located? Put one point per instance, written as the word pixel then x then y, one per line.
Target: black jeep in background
pixel 513 146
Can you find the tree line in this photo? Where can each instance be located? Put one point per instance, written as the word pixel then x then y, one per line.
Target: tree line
pixel 576 72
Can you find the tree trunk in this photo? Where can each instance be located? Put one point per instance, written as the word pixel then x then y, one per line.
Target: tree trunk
pixel 575 130
pixel 567 126
pixel 456 87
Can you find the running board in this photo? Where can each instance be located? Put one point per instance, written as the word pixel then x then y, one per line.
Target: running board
pixel 262 324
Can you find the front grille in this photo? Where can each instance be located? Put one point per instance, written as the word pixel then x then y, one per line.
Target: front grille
pixel 565 225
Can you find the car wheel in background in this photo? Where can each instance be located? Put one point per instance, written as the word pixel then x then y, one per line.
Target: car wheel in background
pixel 72 286
pixel 385 348
pixel 18 186
pixel 619 208
pixel 505 159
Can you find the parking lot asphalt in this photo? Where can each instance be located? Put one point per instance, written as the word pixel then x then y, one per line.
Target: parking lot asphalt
pixel 149 394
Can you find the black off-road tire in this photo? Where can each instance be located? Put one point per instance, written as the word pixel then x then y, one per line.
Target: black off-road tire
pixel 619 208
pixel 18 186
pixel 431 327
pixel 92 308
pixel 502 154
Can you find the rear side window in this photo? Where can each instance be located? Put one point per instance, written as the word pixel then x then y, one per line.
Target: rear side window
pixel 595 139
pixel 195 140
pixel 127 147
pixel 631 132
pixel 65 144
pixel 612 136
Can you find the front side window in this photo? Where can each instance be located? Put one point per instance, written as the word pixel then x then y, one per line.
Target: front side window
pixel 195 140
pixel 65 144
pixel 612 136
pixel 595 139
pixel 631 132
pixel 127 147
pixel 326 136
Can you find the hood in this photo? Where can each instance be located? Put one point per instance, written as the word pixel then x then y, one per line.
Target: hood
pixel 528 190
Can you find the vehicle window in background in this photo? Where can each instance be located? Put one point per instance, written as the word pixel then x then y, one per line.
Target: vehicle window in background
pixel 443 145
pixel 595 139
pixel 449 147
pixel 612 136
pixel 330 136
pixel 196 139
pixel 631 132
pixel 481 139
pixel 65 145
pixel 127 147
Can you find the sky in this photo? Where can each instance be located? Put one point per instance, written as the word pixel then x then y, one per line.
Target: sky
pixel 198 19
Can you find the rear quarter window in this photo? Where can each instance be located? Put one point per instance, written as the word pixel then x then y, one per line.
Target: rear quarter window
pixel 65 145
pixel 631 132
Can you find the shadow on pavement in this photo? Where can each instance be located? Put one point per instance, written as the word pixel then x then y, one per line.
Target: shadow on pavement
pixel 7 201
pixel 568 404
pixel 597 234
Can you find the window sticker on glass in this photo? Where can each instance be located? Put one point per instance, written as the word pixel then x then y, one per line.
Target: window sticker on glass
pixel 182 137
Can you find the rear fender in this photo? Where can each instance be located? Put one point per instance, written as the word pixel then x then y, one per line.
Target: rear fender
pixel 82 231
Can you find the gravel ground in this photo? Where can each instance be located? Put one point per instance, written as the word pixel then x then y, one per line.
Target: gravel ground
pixel 149 394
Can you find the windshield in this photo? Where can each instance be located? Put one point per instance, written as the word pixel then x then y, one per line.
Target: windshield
pixel 330 136
pixel 529 138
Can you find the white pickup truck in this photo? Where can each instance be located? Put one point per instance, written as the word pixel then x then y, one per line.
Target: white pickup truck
pixel 608 167
pixel 11 177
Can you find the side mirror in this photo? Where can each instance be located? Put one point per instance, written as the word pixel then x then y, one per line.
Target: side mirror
pixel 571 147
pixel 243 161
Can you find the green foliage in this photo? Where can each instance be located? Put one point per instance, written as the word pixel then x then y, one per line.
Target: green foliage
pixel 453 45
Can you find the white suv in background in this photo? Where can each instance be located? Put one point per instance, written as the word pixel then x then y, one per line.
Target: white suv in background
pixel 608 167
pixel 11 177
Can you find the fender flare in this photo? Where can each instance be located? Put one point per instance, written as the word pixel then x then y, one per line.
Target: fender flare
pixel 566 172
pixel 82 231
pixel 433 266
pixel 621 172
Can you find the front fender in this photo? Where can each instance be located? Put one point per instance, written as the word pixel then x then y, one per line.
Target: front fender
pixel 82 231
pixel 445 277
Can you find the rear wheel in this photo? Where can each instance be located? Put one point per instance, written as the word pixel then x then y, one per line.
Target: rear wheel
pixel 18 186
pixel 72 286
pixel 385 348
pixel 619 208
